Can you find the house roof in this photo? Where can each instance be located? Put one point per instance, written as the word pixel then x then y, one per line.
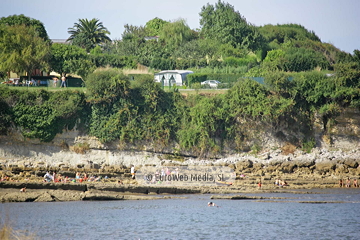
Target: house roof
pixel 59 41
pixel 174 71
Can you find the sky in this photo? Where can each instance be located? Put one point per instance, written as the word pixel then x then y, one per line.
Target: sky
pixel 334 21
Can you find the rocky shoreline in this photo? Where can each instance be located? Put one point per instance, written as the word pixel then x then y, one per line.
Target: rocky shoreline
pixel 118 184
pixel 24 163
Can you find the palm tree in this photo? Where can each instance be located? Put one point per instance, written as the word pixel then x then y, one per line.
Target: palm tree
pixel 88 34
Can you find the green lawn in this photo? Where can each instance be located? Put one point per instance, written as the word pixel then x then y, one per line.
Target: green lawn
pixel 26 88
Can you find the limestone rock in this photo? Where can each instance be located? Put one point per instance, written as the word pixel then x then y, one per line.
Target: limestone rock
pixel 241 165
pixel 351 163
pixel 288 167
pixel 325 166
pixel 45 197
pixel 341 168
pixel 17 196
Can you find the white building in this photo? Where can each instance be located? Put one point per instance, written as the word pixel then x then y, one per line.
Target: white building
pixel 172 77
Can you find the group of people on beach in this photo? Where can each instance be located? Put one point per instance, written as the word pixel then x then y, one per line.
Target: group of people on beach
pixel 5 178
pixel 347 183
pixel 280 183
pixel 78 178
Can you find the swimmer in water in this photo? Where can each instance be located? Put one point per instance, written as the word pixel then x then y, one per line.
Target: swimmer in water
pixel 211 204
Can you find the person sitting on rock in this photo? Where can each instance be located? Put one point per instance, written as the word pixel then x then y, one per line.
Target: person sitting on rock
pixel 77 176
pixel 48 177
pixel 348 184
pixel 85 177
pixel 23 189
pixel 278 182
pixel 341 183
pixel 355 183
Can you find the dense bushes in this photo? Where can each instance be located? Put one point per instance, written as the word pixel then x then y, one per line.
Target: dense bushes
pixel 143 112
pixel 108 93
pixel 41 114
pixel 295 60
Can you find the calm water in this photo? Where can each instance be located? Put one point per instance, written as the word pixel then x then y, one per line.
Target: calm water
pixel 191 218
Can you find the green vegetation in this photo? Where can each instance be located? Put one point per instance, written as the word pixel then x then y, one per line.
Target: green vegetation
pixel 21 49
pixel 222 23
pixel 41 114
pixel 291 61
pixel 67 59
pixel 16 20
pixel 81 148
pixel 113 109
pixel 88 33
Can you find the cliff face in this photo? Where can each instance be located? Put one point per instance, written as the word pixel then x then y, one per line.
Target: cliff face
pixel 344 133
pixel 73 148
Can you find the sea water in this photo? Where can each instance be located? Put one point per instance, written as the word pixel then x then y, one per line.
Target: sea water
pixel 299 215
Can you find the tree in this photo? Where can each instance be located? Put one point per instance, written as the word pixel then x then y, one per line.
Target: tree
pixel 284 32
pixel 356 55
pixel 197 49
pixel 88 33
pixel 133 43
pixel 69 59
pixel 133 32
pixel 132 40
pixel 221 22
pixel 22 49
pixel 154 26
pixel 176 33
pixel 27 21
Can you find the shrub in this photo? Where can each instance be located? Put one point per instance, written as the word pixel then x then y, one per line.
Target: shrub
pixel 81 148
pixel 308 145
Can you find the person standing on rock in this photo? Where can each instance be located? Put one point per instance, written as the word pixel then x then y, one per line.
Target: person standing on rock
pixel 132 171
pixel 54 176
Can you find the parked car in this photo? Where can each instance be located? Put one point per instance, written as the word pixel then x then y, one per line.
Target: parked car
pixel 211 83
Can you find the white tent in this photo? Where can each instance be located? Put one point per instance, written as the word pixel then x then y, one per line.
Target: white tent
pixel 172 77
